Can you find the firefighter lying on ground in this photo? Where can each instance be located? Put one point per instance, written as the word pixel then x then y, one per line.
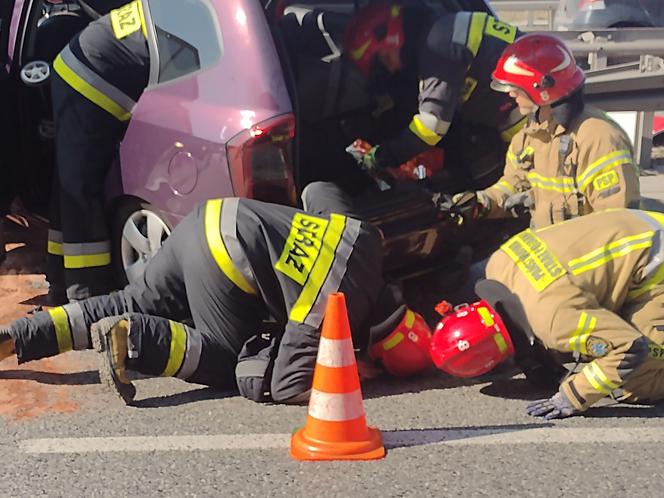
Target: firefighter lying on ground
pixel 452 56
pixel 95 83
pixel 229 266
pixel 570 159
pixel 593 287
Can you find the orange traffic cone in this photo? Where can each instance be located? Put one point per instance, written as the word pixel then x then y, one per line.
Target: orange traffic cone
pixel 336 427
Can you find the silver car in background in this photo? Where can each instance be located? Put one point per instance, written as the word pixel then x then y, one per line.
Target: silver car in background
pixel 599 14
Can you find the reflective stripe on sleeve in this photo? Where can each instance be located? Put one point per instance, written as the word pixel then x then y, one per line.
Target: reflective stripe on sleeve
pixel 87 255
pixel 428 136
pixel 609 252
pixel 177 349
pixel 504 186
pixel 54 245
pixel 79 331
pixel 603 164
pixel 62 330
pixel 579 338
pixel 327 272
pixel 218 248
pixel 654 269
pixel 92 86
pixel 598 379
pixel 476 31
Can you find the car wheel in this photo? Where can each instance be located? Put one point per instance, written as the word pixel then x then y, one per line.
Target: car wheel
pixel 139 230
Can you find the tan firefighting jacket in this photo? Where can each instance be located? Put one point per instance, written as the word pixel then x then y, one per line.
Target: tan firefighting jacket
pixel 593 286
pixel 570 171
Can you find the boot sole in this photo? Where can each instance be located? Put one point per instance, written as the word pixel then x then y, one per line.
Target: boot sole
pixel 99 333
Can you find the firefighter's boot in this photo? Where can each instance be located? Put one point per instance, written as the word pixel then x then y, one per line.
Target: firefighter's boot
pixel 110 339
pixel 7 347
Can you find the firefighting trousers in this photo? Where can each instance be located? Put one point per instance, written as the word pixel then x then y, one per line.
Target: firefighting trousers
pixel 79 247
pixel 178 285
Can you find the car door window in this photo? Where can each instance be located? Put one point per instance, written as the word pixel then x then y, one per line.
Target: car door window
pixel 188 36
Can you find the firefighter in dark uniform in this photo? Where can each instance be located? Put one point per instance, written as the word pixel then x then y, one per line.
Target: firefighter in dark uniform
pixel 229 266
pixel 454 55
pixel 96 82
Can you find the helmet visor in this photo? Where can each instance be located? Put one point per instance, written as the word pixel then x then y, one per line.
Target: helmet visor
pixel 503 87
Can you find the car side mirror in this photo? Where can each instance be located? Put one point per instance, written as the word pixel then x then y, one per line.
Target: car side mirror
pixel 35 73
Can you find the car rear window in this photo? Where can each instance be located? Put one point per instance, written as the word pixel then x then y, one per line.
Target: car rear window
pixel 188 36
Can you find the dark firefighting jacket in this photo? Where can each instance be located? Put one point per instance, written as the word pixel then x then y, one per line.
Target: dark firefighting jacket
pixel 455 60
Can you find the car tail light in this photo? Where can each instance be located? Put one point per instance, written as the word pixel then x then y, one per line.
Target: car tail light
pixel 260 160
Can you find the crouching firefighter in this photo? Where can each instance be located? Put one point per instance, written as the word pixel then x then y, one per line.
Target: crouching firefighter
pixel 95 83
pixel 227 267
pixel 593 287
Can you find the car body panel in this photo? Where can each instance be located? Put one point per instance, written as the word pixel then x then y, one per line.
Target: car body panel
pixel 173 154
pixel 597 14
pixel 13 29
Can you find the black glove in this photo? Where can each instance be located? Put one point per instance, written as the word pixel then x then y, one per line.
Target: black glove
pixel 558 406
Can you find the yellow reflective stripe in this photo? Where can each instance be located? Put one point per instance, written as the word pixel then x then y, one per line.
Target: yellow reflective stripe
pixel 409 319
pixel 500 342
pixel 508 134
pixel 476 31
pixel 603 164
pixel 62 330
pixel 218 248
pixel 504 186
pixel 88 91
pixel 87 260
pixel 319 272
pixel 423 133
pixel 609 252
pixel 393 341
pixel 598 378
pixel 511 156
pixel 585 327
pixel 653 281
pixel 360 51
pixel 178 349
pixel 487 319
pixel 55 248
pixel 563 184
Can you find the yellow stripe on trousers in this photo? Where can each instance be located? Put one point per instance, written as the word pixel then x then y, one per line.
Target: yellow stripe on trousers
pixel 62 330
pixel 178 348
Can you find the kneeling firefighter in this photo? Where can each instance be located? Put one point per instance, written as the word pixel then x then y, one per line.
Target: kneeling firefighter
pixel 228 267
pixel 95 83
pixel 593 287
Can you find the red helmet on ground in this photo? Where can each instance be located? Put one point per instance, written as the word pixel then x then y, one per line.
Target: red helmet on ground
pixel 377 26
pixel 405 350
pixel 470 341
pixel 540 65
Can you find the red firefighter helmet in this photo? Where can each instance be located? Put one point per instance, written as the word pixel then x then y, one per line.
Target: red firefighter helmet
pixel 470 340
pixel 540 65
pixel 377 26
pixel 405 350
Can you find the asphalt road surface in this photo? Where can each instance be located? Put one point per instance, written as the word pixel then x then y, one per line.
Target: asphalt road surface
pixel 63 434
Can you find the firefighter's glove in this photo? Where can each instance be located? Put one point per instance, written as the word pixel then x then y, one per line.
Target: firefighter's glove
pixel 519 204
pixel 474 205
pixel 558 406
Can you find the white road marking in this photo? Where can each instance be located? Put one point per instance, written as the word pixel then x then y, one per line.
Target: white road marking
pixel 393 439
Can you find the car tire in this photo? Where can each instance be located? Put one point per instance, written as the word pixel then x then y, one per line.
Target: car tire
pixel 138 231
